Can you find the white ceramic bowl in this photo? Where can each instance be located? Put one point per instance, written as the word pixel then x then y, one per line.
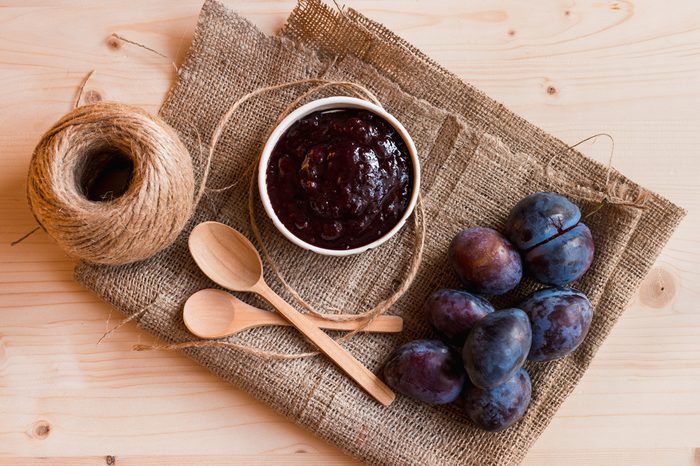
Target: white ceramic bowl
pixel 331 103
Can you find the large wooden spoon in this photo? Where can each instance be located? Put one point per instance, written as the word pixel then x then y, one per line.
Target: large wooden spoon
pixel 230 260
pixel 212 313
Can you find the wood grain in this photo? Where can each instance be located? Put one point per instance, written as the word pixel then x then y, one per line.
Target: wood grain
pixel 575 68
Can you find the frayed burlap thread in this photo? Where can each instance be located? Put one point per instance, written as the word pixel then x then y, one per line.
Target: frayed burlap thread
pixel 478 159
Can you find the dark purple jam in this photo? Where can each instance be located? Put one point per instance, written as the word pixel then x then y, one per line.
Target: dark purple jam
pixel 340 179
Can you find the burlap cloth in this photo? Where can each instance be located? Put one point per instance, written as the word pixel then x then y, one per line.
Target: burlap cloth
pixel 478 160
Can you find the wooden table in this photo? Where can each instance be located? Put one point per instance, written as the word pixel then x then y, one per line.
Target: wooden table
pixel 575 68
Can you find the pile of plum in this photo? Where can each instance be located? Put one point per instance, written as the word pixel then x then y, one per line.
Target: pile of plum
pixel 482 351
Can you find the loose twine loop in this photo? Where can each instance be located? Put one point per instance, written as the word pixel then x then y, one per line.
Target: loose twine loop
pixel 614 193
pixel 366 317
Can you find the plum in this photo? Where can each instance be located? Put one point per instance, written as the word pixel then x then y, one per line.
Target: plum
pixel 427 370
pixel 452 313
pixel 562 259
pixel 485 261
pixel 498 408
pixel 560 319
pixel 556 248
pixel 539 217
pixel 496 347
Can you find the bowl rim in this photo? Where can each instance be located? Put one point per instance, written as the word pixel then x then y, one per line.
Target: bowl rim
pixel 329 103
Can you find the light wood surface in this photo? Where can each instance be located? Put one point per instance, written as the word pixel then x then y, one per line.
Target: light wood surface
pixel 212 313
pixel 229 259
pixel 575 68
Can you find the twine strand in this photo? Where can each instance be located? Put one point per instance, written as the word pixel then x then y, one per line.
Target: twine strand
pixel 129 41
pixel 320 83
pixel 609 194
pixel 122 322
pixel 25 236
pixel 81 88
pixel 271 355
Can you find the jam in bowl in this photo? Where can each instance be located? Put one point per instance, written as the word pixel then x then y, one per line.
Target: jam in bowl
pixel 339 176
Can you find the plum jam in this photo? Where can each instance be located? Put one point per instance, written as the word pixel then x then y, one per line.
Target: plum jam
pixel 340 179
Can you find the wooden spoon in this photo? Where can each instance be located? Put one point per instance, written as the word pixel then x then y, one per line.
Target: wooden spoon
pixel 213 313
pixel 230 260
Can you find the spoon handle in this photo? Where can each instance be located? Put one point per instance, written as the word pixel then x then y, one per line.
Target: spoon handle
pixel 247 316
pixel 344 360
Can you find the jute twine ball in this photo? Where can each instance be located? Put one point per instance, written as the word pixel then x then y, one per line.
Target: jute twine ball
pixel 111 183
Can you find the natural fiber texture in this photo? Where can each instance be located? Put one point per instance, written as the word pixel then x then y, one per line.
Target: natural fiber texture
pixel 146 218
pixel 477 158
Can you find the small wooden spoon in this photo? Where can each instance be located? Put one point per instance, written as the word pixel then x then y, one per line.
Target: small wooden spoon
pixel 213 313
pixel 230 260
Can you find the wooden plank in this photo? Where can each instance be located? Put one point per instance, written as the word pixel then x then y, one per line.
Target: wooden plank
pixel 582 457
pixel 631 69
pixel 296 459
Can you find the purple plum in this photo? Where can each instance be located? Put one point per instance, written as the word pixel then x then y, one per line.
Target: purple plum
pixel 556 248
pixel 495 409
pixel 562 259
pixel 539 217
pixel 427 370
pixel 497 347
pixel 452 313
pixel 560 319
pixel 485 261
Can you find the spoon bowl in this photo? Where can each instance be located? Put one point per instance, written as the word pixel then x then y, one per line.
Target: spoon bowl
pixel 211 313
pixel 225 256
